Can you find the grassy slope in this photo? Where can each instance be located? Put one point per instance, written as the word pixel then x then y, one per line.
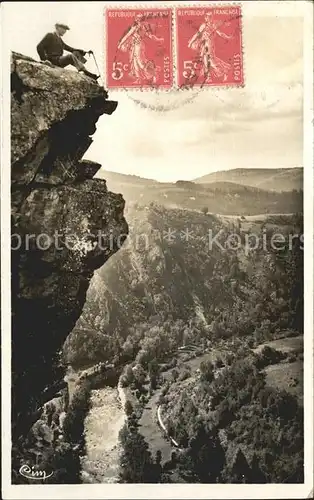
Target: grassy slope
pixel 286 376
pixel 286 344
pixel 283 377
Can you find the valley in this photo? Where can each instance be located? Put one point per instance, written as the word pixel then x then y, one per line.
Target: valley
pixel 209 339
pixel 107 415
pixel 258 191
pixel 180 319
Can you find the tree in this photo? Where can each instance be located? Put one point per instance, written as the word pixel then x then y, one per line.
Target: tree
pixel 128 348
pixel 136 464
pixel 229 358
pixel 153 374
pixel 257 475
pixel 153 368
pixel 139 376
pixel 240 470
pixel 205 458
pixel 158 457
pixel 205 210
pixel 64 461
pixel 234 270
pixel 128 408
pixel 73 425
pixel 143 400
pixel 174 375
pixel 219 363
pixel 132 421
pixel 128 376
pixel 153 383
pixel 207 371
pixel 268 356
pixel 157 468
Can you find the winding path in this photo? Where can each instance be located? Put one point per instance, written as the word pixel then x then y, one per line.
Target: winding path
pixel 162 425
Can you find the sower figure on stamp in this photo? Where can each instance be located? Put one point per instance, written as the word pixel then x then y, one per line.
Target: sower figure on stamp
pixel 133 42
pixel 51 47
pixel 203 42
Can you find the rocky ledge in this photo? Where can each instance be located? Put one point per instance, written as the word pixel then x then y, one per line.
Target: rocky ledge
pixel 65 223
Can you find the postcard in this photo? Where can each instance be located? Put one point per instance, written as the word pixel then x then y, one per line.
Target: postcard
pixel 157 269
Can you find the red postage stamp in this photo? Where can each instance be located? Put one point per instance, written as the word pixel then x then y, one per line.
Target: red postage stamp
pixel 139 48
pixel 209 46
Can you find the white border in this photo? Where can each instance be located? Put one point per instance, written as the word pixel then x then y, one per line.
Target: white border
pixel 173 491
pixel 308 143
pixel 5 165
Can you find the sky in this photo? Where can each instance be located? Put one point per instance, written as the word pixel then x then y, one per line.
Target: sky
pixel 259 125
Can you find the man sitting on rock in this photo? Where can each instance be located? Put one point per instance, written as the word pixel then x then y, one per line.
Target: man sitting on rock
pixel 51 47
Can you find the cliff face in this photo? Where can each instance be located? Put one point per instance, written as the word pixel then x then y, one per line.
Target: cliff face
pixel 65 224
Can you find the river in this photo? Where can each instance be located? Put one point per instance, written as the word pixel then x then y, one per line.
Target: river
pixel 105 419
pixel 102 426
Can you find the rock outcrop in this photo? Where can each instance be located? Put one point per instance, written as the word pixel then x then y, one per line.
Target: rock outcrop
pixel 65 223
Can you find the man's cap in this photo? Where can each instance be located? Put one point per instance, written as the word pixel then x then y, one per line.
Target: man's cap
pixel 61 25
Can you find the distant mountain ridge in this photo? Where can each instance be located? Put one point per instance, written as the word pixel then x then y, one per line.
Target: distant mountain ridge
pixel 108 175
pixel 270 179
pixel 223 195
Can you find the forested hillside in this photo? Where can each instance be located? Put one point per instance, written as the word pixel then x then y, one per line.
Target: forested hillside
pixel 170 275
pixel 189 278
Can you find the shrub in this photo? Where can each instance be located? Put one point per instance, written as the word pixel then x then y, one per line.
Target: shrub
pixel 219 363
pixel 73 425
pixel 269 356
pixel 128 407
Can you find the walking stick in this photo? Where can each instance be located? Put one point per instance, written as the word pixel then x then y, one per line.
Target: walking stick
pixel 92 53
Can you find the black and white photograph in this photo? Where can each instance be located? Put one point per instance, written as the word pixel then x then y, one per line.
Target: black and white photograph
pixel 157 249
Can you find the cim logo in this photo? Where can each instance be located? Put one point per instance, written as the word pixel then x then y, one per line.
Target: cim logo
pixel 34 473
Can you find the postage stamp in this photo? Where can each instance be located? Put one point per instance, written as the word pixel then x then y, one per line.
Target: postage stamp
pixel 139 48
pixel 209 46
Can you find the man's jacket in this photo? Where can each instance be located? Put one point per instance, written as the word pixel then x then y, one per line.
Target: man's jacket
pixel 52 46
